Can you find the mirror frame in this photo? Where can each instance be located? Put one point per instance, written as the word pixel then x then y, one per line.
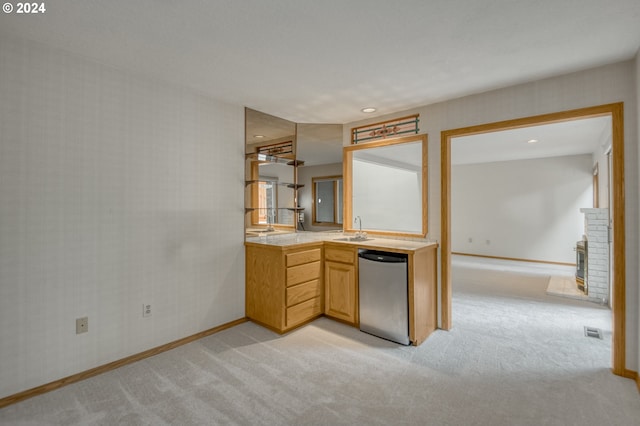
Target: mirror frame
pixel 347 162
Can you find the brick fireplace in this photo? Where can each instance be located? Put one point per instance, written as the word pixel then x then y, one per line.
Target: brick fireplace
pixel 596 265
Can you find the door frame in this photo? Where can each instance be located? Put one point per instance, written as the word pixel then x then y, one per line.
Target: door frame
pixel 618 284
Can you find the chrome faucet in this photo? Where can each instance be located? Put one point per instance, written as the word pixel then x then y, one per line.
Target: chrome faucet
pixel 359 221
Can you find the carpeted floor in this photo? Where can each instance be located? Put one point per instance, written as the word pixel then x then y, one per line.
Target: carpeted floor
pixel 515 356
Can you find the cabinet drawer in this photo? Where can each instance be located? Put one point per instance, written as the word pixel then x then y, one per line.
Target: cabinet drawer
pixel 301 257
pixel 340 255
pixel 303 311
pixel 302 273
pixel 302 292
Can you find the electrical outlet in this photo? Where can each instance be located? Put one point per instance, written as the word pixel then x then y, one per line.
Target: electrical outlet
pixel 82 325
pixel 146 310
pixel 470 239
pixel 488 242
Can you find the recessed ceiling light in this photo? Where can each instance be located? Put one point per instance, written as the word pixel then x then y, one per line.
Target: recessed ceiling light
pixel 368 109
pixel 258 136
pixel 532 141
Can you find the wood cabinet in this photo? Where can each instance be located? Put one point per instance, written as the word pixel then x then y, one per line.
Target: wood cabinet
pixel 287 286
pixel 341 290
pixel 341 287
pixel 423 293
pixel 283 285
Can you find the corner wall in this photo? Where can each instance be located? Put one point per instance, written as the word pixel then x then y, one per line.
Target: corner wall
pixel 637 206
pixel 115 190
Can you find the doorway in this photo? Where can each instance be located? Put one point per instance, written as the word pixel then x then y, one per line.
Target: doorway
pixel 618 306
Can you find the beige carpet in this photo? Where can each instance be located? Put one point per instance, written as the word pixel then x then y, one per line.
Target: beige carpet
pixel 515 356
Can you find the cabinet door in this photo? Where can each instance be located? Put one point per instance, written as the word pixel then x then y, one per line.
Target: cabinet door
pixel 340 291
pixel 265 289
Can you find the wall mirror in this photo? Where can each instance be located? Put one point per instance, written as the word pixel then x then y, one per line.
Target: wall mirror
pixel 270 144
pixel 272 194
pixel 386 186
pixel 327 200
pixel 320 146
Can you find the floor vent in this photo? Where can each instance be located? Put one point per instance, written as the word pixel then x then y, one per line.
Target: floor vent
pixel 592 332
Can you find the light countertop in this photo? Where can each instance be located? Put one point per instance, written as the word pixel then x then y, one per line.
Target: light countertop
pixel 374 241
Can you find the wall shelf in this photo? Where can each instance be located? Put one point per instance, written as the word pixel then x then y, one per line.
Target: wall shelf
pixel 269 158
pixel 275 182
pixel 253 180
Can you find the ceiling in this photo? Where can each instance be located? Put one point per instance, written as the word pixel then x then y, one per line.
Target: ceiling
pixel 315 143
pixel 261 127
pixel 319 143
pixel 585 136
pixel 313 61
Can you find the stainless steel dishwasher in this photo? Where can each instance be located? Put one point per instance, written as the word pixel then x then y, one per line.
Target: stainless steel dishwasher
pixel 384 302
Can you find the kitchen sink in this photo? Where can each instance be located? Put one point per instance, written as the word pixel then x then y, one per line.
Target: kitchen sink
pixel 353 239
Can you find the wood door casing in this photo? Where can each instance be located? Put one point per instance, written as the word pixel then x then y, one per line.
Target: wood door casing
pixel 617 206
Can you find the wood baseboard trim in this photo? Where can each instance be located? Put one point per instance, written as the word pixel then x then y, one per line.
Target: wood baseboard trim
pixel 629 374
pixel 39 390
pixel 267 326
pixel 292 328
pixel 340 320
pixel 514 258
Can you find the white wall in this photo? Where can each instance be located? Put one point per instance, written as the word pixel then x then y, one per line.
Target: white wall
pixel 305 194
pixel 637 82
pixel 525 209
pixel 601 159
pixel 386 196
pixel 114 190
pixel 598 86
